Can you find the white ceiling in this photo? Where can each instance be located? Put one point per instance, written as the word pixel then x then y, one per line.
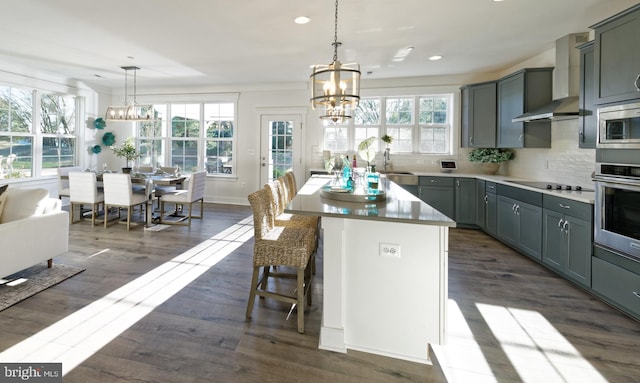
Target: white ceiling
pixel 215 42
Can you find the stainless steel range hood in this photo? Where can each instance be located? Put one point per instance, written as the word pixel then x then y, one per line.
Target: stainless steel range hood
pixel 566 84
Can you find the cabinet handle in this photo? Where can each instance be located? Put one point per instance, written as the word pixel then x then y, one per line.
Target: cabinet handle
pixel 635 83
pixel 637 294
pixel 517 209
pixel 458 183
pixel 513 208
pixel 560 223
pixel 433 181
pixel 486 199
pixel 564 206
pixel 565 227
pixel 521 138
pixel 470 140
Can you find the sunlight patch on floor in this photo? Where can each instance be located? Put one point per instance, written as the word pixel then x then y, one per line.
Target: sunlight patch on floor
pixel 536 349
pixel 75 338
pixel 461 359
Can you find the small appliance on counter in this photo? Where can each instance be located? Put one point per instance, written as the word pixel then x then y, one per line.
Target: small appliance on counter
pixel 447 166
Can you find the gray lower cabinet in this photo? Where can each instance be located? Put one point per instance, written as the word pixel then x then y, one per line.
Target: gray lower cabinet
pixel 439 193
pixel 465 206
pixel 519 222
pixel 481 204
pixel 567 245
pixel 617 285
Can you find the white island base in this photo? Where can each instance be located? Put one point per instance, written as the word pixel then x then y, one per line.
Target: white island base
pixel 385 303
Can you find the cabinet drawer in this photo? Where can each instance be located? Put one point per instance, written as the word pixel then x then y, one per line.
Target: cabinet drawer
pixel 436 181
pixel 569 207
pixel 490 187
pixel 522 195
pixel 619 285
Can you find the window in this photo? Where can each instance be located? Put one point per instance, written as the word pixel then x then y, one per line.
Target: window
pixel 58 132
pixel 418 125
pixel 199 135
pixel 219 137
pixel 16 137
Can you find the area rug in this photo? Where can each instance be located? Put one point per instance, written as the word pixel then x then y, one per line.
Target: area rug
pixel 28 282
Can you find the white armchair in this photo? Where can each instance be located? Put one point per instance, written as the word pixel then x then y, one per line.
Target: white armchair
pixel 194 193
pixel 118 192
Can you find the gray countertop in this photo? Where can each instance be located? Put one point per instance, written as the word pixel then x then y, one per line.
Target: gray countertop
pixel 580 196
pixel 400 206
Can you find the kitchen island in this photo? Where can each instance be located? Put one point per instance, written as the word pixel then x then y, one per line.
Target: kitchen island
pixel 384 270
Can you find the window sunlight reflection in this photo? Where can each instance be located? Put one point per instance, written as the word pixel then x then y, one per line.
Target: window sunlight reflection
pixel 76 337
pixel 462 350
pixel 536 349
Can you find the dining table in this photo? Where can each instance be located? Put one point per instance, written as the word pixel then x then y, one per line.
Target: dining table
pixel 149 181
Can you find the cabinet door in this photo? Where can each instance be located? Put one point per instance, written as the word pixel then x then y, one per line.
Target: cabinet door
pixel 481 204
pixel 530 229
pixel 510 105
pixel 554 240
pixel 619 285
pixel 440 198
pixel 578 262
pixel 492 214
pixel 482 117
pixel 465 196
pixel 588 120
pixel 617 59
pixel 508 222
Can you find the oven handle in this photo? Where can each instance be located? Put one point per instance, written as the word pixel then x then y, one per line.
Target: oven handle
pixel 635 246
pixel 612 181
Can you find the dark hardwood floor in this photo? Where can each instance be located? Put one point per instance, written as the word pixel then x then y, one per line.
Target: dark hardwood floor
pixel 510 319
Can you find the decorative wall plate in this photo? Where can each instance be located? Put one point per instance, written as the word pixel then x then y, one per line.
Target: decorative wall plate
pixel 99 123
pixel 108 139
pixel 96 149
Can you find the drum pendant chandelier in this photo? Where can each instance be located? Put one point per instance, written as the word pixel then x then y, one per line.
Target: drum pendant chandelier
pixel 335 88
pixel 133 111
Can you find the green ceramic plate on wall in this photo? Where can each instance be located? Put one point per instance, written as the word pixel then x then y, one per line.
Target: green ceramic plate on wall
pixel 108 139
pixel 99 123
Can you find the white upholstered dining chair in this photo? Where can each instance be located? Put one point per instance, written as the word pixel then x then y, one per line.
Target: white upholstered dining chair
pixel 118 193
pixel 192 194
pixel 83 190
pixel 63 180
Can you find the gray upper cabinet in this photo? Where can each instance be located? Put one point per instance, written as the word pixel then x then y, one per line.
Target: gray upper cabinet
pixel 617 57
pixel 588 120
pixel 521 92
pixel 479 119
pixel 518 93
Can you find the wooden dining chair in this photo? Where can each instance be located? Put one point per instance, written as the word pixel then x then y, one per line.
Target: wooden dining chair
pixel 83 190
pixel 192 194
pixel 118 193
pixel 281 247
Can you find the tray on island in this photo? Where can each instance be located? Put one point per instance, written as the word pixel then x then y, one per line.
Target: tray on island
pixel 359 195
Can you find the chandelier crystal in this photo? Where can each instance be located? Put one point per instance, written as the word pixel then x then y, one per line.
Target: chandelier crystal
pixel 133 111
pixel 335 87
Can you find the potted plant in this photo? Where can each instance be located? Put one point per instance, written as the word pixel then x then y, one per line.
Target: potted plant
pixel 127 151
pixel 490 158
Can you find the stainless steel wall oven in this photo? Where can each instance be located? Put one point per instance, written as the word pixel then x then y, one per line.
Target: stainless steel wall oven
pixel 617 208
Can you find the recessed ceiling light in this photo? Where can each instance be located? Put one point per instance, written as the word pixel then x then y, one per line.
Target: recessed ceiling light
pixel 301 20
pixel 435 57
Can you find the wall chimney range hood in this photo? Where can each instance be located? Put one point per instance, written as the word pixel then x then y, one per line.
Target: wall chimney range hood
pixel 566 84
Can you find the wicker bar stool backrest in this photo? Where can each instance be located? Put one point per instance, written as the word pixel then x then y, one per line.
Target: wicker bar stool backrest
pixel 262 214
pixel 290 181
pixel 274 197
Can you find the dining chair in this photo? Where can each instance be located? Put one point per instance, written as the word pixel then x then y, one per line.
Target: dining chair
pixel 161 190
pixel 83 190
pixel 118 193
pixel 63 180
pixel 145 169
pixel 284 248
pixel 192 194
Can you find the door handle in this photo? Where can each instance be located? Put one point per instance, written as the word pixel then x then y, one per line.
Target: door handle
pixel 263 164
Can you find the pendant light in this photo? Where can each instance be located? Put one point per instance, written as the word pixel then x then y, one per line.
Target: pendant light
pixel 133 111
pixel 335 87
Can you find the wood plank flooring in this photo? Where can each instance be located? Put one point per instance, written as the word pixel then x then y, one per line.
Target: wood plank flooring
pixel 200 334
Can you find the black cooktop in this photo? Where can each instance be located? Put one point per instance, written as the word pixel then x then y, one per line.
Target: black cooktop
pixel 552 186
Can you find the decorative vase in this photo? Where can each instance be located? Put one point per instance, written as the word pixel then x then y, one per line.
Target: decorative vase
pixel 490 167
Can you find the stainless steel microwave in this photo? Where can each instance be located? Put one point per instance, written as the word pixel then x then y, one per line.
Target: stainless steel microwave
pixel 619 126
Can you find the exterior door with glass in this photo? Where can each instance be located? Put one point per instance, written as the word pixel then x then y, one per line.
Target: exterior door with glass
pixel 280 147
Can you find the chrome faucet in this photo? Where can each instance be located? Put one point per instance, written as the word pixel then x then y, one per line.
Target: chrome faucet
pixel 386 158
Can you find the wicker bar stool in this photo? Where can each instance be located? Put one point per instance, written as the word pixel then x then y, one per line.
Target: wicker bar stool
pixel 291 247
